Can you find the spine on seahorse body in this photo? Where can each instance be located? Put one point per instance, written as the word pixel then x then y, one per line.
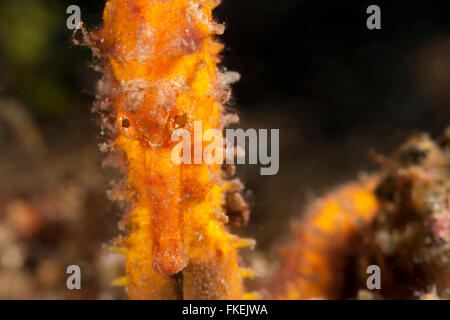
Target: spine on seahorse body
pixel 160 74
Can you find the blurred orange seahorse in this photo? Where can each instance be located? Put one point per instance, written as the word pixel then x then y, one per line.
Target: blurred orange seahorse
pixel 313 260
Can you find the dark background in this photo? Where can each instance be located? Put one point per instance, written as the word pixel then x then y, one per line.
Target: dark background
pixel 310 68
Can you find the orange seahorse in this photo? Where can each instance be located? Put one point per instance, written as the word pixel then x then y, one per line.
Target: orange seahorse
pixel 313 260
pixel 160 74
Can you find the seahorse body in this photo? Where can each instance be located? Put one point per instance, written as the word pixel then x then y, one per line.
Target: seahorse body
pixel 160 74
pixel 313 260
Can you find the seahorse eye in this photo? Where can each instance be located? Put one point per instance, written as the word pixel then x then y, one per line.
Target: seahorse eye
pixel 125 123
pixel 180 121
